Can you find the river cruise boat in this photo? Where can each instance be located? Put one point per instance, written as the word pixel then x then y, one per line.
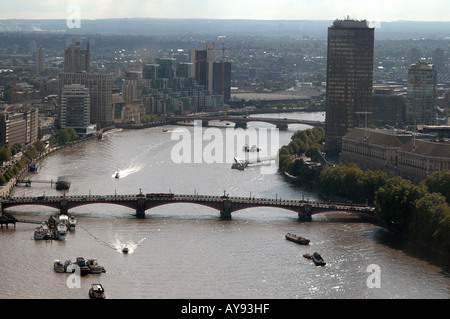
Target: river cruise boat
pixel 97 292
pixel 297 239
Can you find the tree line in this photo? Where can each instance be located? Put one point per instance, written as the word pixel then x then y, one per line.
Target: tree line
pixel 420 211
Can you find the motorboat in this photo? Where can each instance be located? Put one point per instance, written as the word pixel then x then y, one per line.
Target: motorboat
pixel 318 260
pixel 297 239
pixel 254 148
pixel 72 223
pixel 117 174
pixel 97 292
pixel 125 250
pixel 58 266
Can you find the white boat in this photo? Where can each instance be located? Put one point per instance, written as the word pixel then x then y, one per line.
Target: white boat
pixel 72 223
pixel 64 219
pixel 58 266
pixel 61 230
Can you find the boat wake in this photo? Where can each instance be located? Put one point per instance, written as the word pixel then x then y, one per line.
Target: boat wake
pixel 132 246
pixel 136 164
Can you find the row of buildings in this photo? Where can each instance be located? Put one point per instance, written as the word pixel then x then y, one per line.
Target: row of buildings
pixel 163 87
pixel 19 126
pixel 398 153
pixel 350 94
pixel 353 105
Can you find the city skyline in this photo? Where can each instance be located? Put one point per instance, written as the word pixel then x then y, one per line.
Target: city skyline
pixel 380 11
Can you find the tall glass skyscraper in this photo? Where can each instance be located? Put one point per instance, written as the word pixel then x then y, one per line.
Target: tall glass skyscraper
pixel 349 80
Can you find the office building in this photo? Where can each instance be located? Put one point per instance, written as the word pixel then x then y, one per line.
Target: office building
pixel 76 109
pixel 349 80
pixel 40 59
pixel 421 94
pixel 395 152
pixel 202 65
pixel 222 80
pixel 19 127
pixel 100 91
pixel 77 59
pixel 389 107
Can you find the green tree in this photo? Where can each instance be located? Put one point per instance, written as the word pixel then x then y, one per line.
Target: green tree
pixel 439 182
pixel 5 154
pixel 430 211
pixel 396 202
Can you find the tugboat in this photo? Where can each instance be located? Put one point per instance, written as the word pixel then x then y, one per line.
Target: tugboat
pixel 97 292
pixel 297 239
pixel 318 260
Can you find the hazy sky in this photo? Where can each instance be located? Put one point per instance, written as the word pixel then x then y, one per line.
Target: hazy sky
pixel 373 10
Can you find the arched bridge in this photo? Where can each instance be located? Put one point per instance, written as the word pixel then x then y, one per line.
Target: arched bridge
pixel 241 121
pixel 224 204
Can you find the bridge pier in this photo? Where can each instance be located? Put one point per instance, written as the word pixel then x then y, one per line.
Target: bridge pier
pixel 282 127
pixel 64 206
pixel 305 215
pixel 225 213
pixel 241 125
pixel 140 208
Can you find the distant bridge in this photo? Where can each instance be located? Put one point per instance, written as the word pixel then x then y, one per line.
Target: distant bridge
pixel 224 204
pixel 241 121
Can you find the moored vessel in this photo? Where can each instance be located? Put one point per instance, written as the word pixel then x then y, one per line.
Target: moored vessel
pixel 61 230
pixel 72 223
pixel 39 233
pixel 84 269
pixel 58 266
pixel 94 267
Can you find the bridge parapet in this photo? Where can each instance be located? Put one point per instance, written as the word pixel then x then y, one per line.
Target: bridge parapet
pixel 224 204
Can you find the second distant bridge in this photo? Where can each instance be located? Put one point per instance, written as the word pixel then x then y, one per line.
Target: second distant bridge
pixel 226 205
pixel 241 121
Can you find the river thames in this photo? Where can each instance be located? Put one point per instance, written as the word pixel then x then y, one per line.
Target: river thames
pixel 185 250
